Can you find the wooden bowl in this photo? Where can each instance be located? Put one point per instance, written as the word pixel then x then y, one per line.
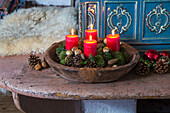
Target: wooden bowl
pixel 90 75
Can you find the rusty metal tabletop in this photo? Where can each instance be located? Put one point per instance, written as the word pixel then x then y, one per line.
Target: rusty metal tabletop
pixel 15 76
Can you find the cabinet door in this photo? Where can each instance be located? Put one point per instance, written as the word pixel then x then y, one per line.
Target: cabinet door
pixel 154 25
pixel 89 13
pixel 155 21
pixel 123 16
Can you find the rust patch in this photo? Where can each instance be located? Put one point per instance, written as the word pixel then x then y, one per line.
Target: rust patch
pixel 95 97
pixel 76 96
pixel 62 96
pixel 108 97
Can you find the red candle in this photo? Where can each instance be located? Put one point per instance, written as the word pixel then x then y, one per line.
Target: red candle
pixel 113 41
pixel 92 32
pixel 71 40
pixel 90 47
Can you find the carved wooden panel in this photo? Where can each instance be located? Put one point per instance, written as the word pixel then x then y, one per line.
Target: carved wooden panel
pixel 123 16
pixel 90 15
pixel 120 13
pixel 155 21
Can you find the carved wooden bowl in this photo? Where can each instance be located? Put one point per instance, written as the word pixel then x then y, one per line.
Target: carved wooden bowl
pixel 90 75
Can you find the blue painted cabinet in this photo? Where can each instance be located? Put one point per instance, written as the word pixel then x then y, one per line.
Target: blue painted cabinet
pixel 145 24
pixel 89 13
pixel 155 25
pixel 123 16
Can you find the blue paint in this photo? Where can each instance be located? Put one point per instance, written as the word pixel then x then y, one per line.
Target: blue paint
pixel 141 15
pixel 109 106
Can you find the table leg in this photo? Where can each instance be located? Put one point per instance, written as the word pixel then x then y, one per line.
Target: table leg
pixel 16 101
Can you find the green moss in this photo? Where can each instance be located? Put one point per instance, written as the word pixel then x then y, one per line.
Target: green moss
pixel 126 56
pixel 62 55
pixel 91 58
pixel 100 51
pixel 122 48
pixel 124 53
pixel 59 49
pixel 63 62
pixel 108 56
pixel 99 60
pixel 119 56
pixel 84 62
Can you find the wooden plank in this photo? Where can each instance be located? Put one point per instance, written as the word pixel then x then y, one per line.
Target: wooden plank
pixel 10 111
pixel 5 97
pixel 7 104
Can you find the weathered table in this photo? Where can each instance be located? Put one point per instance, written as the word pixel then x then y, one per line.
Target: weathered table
pixel 43 91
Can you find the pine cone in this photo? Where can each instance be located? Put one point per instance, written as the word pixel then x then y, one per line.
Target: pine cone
pixel 142 69
pixel 77 60
pixel 161 66
pixel 69 61
pixel 91 64
pixel 33 60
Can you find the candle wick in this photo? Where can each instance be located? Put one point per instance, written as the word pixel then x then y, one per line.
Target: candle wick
pixel 91 27
pixel 113 32
pixel 72 31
